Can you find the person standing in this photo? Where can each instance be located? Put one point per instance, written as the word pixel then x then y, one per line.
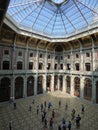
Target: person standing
pixel 78 118
pixel 14 104
pixel 37 109
pixel 69 125
pixel 10 125
pixel 53 113
pixel 59 127
pixel 82 109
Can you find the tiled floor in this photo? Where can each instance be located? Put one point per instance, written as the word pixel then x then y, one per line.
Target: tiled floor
pixel 23 119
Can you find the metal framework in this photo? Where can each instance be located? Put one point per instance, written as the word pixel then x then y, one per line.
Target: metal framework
pixel 54 21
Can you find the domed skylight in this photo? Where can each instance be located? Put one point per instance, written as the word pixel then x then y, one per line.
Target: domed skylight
pixel 54 18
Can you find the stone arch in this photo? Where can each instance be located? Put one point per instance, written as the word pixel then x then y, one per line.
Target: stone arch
pixel 48 83
pixel 87 88
pixel 77 86
pixel 68 84
pixel 40 84
pixel 61 82
pixel 97 92
pixel 5 88
pixel 30 86
pixel 18 87
pixel 55 82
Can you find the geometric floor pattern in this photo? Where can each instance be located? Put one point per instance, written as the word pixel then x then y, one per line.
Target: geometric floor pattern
pixel 23 119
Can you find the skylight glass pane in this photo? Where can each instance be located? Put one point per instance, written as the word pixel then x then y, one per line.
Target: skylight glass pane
pixel 51 19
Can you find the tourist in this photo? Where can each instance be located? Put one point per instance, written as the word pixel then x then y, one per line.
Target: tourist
pixel 45 123
pixel 10 125
pixel 59 127
pixel 69 125
pixel 53 113
pixel 51 123
pixel 73 114
pixel 37 109
pixel 82 109
pixel 78 118
pixel 14 104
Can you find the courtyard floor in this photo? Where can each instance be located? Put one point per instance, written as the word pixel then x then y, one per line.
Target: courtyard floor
pixel 23 119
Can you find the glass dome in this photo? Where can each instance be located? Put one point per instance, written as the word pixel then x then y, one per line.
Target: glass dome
pixel 43 18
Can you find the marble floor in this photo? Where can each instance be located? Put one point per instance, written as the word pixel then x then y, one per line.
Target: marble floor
pixel 23 119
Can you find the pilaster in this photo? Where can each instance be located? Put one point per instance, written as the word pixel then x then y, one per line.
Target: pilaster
pixel 52 83
pixel 72 86
pixel 35 84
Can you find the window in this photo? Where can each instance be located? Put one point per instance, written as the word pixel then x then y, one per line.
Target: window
pixel 61 66
pixel 87 54
pixel 20 53
pixel 55 57
pixel 55 67
pixel 77 66
pixel 40 55
pixel 48 66
pixel 19 65
pixel 68 56
pixel 40 67
pixel 61 57
pixel 68 66
pixel 30 65
pixel 6 65
pixel 48 56
pixel 77 56
pixel 31 54
pixel 6 52
pixel 87 66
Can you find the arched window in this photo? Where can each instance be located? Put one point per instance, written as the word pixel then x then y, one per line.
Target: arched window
pixel 18 87
pixel 5 85
pixel 48 82
pixel 77 66
pixel 87 89
pixel 30 65
pixel 68 84
pixel 30 86
pixel 77 86
pixel 40 85
pixel 19 65
pixel 6 65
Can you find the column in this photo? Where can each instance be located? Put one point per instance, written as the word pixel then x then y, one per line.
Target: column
pixel 35 84
pixel 81 87
pixel 13 87
pixel 58 82
pixel 81 60
pixel 72 86
pixel 64 85
pixel 71 65
pixel 93 90
pixel 52 83
pixel 93 69
pixel 44 84
pixel 37 60
pixel 26 68
pixel 13 70
pixel 25 87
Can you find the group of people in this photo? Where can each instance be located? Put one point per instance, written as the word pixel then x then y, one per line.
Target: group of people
pixel 43 106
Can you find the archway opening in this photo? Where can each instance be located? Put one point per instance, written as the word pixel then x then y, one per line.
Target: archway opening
pixel 5 85
pixel 30 86
pixel 18 87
